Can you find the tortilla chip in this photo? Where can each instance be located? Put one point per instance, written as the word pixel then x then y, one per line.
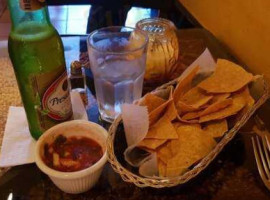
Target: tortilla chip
pixel 164 152
pixel 172 171
pixel 156 114
pixel 249 103
pixel 162 168
pixel 219 97
pixel 163 129
pixel 181 162
pixel 191 115
pixel 216 128
pixel 239 101
pixel 228 77
pixel 210 109
pixel 151 144
pixel 174 145
pixel 249 99
pixel 190 121
pixel 184 108
pixel 177 124
pixel 165 107
pixel 216 107
pixel 171 112
pixel 152 102
pixel 182 129
pixel 184 84
pixel 192 137
pixel 192 145
pixel 196 97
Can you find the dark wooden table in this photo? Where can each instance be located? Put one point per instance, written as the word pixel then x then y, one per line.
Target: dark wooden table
pixel 232 176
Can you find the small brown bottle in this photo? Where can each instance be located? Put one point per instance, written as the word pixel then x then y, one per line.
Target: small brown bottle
pixel 77 77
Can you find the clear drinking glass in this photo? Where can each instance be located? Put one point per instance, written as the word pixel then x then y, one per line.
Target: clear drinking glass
pixel 117 59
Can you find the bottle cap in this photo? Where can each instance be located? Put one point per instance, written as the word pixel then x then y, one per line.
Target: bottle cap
pixel 75 68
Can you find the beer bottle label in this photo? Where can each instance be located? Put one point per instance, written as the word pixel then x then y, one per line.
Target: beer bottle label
pixel 56 99
pixel 31 5
pixel 53 103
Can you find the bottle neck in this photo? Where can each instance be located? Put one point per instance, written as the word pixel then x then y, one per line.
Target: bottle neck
pixel 19 15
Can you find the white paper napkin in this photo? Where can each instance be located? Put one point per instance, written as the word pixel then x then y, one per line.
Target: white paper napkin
pixel 78 106
pixel 18 146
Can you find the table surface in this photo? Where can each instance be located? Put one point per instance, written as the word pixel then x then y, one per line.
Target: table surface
pixel 232 175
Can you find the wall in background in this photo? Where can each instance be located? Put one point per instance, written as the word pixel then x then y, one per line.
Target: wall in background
pixel 242 25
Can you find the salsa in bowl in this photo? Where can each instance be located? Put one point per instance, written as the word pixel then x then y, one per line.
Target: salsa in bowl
pixel 70 154
pixel 73 154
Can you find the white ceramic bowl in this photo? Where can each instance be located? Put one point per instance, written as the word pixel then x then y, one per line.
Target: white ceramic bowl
pixel 79 181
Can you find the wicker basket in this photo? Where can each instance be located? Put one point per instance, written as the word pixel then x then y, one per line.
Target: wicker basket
pixel 260 92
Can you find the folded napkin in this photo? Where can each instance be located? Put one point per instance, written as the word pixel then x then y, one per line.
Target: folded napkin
pixel 18 146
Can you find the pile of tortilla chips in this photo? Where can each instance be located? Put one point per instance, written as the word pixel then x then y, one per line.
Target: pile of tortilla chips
pixel 186 121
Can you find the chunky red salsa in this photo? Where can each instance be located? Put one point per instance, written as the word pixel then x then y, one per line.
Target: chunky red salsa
pixel 72 153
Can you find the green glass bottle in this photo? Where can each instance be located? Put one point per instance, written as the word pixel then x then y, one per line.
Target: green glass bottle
pixel 36 51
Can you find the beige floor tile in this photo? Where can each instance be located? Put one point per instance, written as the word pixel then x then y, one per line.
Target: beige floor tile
pixel 3 47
